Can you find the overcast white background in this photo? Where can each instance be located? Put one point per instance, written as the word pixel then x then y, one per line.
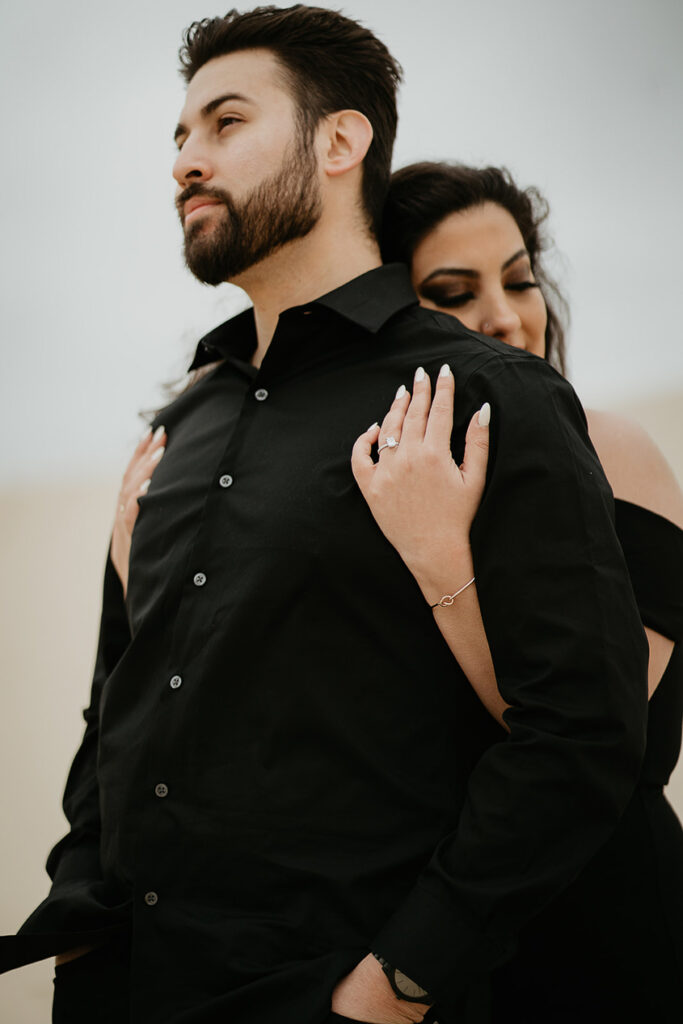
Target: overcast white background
pixel 584 99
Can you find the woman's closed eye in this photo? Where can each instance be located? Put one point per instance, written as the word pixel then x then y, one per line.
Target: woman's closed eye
pixel 520 286
pixel 447 299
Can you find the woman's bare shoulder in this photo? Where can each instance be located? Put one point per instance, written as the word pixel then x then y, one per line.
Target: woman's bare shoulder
pixel 635 467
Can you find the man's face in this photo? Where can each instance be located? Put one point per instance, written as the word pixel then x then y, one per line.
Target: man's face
pixel 247 179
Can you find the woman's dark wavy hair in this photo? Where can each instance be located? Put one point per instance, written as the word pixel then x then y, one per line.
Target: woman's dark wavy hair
pixel 421 195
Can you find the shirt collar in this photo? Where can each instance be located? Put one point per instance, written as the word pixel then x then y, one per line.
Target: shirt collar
pixel 368 301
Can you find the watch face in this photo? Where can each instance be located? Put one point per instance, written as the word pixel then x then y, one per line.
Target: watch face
pixel 407 987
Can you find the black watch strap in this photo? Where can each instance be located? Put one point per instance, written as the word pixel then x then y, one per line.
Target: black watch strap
pixel 403 986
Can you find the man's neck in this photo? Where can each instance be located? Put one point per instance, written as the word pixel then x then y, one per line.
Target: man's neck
pixel 302 271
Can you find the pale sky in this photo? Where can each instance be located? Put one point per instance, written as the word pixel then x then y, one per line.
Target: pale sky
pixel 581 99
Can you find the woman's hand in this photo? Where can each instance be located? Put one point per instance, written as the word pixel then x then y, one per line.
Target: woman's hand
pixel 366 995
pixel 424 504
pixel 422 501
pixel 136 480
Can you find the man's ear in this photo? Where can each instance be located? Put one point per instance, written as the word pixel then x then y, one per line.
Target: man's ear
pixel 347 136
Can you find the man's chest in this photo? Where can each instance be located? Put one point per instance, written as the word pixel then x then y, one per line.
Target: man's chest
pixel 251 470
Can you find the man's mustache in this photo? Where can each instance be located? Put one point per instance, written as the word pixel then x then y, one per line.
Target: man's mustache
pixel 197 189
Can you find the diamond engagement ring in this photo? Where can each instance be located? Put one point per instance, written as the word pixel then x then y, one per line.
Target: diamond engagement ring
pixel 390 442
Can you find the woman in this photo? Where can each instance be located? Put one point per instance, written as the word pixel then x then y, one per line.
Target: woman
pixel 611 948
pixel 473 244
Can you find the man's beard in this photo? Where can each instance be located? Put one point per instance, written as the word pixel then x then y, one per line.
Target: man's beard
pixel 281 209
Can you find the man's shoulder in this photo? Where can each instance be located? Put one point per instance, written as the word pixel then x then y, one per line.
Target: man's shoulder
pixel 437 335
pixel 522 388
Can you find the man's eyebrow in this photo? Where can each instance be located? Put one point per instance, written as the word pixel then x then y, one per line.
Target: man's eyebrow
pixel 467 272
pixel 209 109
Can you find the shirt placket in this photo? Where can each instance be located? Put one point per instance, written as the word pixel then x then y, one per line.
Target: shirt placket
pixel 161 785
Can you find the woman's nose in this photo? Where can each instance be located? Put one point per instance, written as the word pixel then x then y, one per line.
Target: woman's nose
pixel 501 321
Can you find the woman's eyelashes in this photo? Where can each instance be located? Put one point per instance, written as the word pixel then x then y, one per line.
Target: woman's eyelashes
pixel 520 286
pixel 447 299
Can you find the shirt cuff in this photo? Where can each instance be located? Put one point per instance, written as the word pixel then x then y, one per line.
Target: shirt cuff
pixel 437 948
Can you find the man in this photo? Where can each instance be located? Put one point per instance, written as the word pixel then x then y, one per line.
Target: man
pixel 288 806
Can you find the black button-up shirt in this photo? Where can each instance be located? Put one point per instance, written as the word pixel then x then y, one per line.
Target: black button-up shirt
pixel 284 766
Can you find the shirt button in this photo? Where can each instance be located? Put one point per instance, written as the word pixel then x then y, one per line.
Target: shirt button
pixel 225 480
pixel 161 789
pixel 261 395
pixel 151 898
pixel 199 579
pixel 175 682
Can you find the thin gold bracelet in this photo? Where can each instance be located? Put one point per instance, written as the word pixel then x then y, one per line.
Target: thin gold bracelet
pixel 448 599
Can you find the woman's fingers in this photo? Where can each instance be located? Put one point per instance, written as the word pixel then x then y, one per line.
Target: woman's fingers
pixel 440 422
pixel 362 465
pixel 143 442
pixel 476 457
pixel 139 472
pixel 392 424
pixel 157 444
pixel 145 449
pixel 143 471
pixel 146 445
pixel 415 420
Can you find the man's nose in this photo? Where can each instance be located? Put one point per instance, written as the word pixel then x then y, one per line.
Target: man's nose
pixel 192 164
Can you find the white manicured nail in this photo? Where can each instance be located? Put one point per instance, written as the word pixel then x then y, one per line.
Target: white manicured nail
pixel 147 434
pixel 157 454
pixel 375 424
pixel 401 391
pixel 484 415
pixel 159 433
pixel 419 375
pixel 145 487
pixel 445 370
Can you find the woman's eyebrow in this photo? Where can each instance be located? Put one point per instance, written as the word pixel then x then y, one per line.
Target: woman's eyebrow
pixel 513 259
pixel 468 271
pixel 451 272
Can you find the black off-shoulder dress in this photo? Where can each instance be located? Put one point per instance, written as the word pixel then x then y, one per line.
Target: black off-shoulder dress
pixel 611 948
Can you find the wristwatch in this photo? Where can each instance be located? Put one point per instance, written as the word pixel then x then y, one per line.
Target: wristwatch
pixel 404 987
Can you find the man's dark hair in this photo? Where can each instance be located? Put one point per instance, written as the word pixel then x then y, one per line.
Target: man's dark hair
pixel 423 194
pixel 330 63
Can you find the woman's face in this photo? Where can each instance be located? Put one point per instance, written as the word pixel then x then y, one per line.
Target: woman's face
pixel 474 265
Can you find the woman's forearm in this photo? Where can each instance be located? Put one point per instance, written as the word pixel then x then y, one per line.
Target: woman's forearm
pixel 462 626
pixel 72 954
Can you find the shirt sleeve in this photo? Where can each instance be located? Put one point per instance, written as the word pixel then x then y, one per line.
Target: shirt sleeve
pixel 571 660
pixel 79 908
